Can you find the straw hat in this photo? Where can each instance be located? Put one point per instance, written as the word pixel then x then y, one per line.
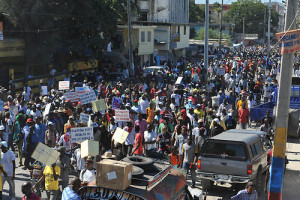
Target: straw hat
pixel 108 155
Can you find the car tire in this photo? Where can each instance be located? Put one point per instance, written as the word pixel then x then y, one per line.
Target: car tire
pixel 145 163
pixel 260 182
pixel 137 172
pixel 206 184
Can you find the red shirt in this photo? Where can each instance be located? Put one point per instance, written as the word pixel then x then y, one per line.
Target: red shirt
pixel 138 139
pixel 31 197
pixel 243 115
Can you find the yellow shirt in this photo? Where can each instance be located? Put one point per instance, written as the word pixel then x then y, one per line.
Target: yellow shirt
pixel 1 178
pixel 200 113
pixel 50 183
pixel 150 114
pixel 221 123
pixel 240 102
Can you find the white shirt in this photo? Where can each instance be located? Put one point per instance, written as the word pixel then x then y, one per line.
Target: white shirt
pixel 144 104
pixel 177 98
pixel 150 137
pixel 88 175
pixel 196 132
pixel 7 161
pixel 130 138
pixel 80 163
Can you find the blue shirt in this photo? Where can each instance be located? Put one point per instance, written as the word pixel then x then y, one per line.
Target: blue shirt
pixel 69 194
pixel 35 139
pixel 40 132
pixel 243 195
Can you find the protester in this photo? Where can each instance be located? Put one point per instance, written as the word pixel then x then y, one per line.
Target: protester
pixel 27 191
pixel 71 192
pixel 87 175
pixel 248 193
pixel 8 160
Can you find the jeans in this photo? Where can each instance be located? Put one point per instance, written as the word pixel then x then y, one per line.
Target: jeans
pixel 28 160
pixel 11 183
pixel 243 125
pixel 20 154
pixel 10 142
pixel 186 167
pixel 52 194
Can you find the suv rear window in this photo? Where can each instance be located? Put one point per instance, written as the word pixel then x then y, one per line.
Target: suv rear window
pixel 231 151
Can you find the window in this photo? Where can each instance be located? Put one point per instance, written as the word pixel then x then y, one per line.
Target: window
pixel 149 36
pixel 184 30
pixel 178 30
pixel 254 152
pixel 143 36
pixel 258 147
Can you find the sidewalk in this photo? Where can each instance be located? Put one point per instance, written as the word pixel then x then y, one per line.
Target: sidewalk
pixel 291 180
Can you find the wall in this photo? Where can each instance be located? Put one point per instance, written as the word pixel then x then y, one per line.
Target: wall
pixel 162 33
pixel 147 47
pixel 184 38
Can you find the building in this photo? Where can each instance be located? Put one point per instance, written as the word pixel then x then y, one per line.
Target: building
pixel 169 20
pixel 280 9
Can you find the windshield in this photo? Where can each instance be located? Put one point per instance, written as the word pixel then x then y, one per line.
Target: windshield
pixel 231 151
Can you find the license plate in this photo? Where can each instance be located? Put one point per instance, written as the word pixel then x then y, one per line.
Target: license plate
pixel 223 177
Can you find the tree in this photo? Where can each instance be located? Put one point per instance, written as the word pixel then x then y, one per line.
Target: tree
pixel 253 11
pixel 80 28
pixel 197 13
pixel 212 34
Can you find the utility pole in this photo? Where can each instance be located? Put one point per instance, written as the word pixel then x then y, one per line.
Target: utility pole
pixel 221 23
pixel 206 34
pixel 264 36
pixel 269 25
pixel 243 31
pixel 131 64
pixel 282 110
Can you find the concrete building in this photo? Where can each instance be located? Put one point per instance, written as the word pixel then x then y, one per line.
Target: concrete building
pixel 280 9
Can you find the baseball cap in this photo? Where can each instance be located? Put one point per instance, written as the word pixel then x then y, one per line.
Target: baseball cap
pixel 4 144
pixel 29 120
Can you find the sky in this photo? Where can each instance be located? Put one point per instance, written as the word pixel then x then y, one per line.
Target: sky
pixel 227 1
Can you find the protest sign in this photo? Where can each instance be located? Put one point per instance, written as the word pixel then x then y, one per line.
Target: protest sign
pixel 221 71
pixel 289 42
pixel 73 96
pixel 81 134
pixel 63 85
pixel 122 115
pixel 84 117
pixel 86 98
pixel 99 105
pixel 178 81
pixel 47 109
pixel 81 90
pixel 120 135
pixel 116 103
pixel 44 90
pixel 89 148
pixel 45 154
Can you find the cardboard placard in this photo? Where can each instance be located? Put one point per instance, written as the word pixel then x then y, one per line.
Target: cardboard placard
pixel 122 115
pixel 116 103
pixel 73 96
pixel 45 154
pixel 99 105
pixel 89 148
pixel 88 97
pixel 178 81
pixel 63 85
pixel 44 89
pixel 84 117
pixel 47 109
pixel 120 135
pixel 81 134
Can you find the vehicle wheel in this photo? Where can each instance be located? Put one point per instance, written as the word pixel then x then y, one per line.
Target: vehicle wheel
pixel 137 172
pixel 260 182
pixel 206 184
pixel 139 161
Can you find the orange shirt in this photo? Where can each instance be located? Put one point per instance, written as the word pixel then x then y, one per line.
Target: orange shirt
pixel 175 159
pixel 150 114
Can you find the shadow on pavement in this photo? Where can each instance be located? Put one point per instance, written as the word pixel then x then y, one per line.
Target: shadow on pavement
pixel 291 179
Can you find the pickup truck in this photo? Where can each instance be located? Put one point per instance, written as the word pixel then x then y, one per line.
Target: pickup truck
pixel 233 157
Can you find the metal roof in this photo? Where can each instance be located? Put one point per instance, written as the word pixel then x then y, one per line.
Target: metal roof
pixel 236 137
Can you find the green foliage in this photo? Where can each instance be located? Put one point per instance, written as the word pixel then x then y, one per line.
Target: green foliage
pixel 197 13
pixel 47 26
pixel 253 11
pixel 212 34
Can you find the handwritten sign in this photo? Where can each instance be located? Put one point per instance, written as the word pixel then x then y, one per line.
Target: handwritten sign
pixel 84 117
pixel 44 89
pixel 45 154
pixel 73 96
pixel 81 134
pixel 47 109
pixel 120 135
pixel 63 85
pixel 88 97
pixel 89 148
pixel 99 105
pixel 122 115
pixel 81 90
pixel 289 42
pixel 116 103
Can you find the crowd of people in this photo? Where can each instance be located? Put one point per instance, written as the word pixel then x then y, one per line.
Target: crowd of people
pixel 169 117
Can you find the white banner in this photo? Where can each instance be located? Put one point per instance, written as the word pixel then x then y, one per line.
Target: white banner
pixel 122 115
pixel 63 85
pixel 86 98
pixel 81 90
pixel 73 96
pixel 81 134
pixel 84 117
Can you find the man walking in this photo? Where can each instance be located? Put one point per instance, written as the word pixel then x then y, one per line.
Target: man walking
pixel 248 194
pixel 243 116
pixel 8 160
